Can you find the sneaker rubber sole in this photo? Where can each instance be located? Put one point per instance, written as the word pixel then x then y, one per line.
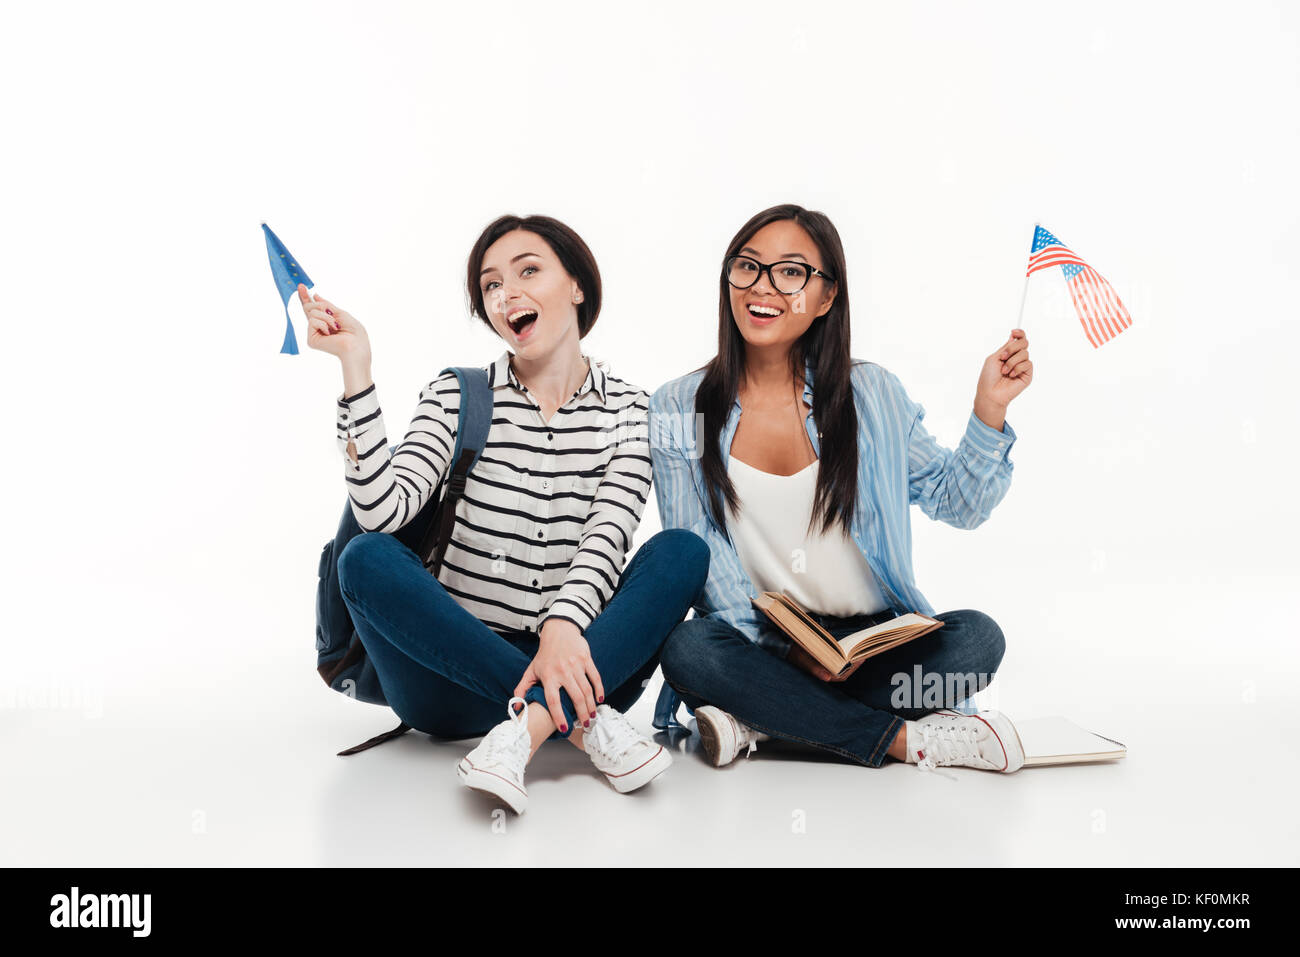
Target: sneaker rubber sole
pixel 643 773
pixel 718 734
pixel 493 785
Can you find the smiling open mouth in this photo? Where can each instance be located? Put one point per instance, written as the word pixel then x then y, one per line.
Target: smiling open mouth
pixel 763 312
pixel 521 321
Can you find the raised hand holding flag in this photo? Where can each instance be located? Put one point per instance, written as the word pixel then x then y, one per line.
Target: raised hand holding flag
pixel 1005 374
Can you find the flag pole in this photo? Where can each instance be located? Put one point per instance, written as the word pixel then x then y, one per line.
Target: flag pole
pixel 1020 317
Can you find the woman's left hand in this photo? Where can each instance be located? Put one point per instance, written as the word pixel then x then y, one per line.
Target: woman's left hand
pixel 1005 375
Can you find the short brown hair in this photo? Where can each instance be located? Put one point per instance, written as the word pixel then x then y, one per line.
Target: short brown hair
pixel 573 253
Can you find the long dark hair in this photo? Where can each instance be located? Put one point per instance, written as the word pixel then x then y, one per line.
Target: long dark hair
pixel 569 248
pixel 826 345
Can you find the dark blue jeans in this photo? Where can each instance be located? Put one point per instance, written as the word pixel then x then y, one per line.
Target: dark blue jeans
pixel 710 662
pixel 446 673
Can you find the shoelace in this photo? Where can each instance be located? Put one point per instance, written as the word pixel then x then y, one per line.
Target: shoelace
pixel 511 740
pixel 746 733
pixel 945 745
pixel 612 733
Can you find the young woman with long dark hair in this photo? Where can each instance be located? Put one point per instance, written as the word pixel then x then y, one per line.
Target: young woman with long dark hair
pixel 532 610
pixel 798 464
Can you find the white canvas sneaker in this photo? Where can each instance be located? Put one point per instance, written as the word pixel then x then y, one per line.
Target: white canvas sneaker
pixel 622 753
pixel 723 737
pixel 496 766
pixel 986 740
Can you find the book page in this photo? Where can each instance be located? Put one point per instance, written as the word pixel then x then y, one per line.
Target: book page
pixel 910 620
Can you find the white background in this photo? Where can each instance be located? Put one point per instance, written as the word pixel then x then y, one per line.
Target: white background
pixel 173 476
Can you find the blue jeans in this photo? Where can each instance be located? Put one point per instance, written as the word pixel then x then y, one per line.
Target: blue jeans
pixel 709 662
pixel 446 673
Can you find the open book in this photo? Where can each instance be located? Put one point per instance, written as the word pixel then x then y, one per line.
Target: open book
pixel 836 656
pixel 1058 740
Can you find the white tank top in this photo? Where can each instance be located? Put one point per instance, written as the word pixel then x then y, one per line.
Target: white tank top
pixel 825 572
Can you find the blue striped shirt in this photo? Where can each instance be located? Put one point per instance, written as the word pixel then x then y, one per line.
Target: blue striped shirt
pixel 899 465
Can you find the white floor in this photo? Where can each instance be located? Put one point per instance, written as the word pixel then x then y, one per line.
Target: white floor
pixel 213 770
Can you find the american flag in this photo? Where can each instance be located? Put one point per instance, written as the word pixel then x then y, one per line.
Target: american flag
pixel 1101 313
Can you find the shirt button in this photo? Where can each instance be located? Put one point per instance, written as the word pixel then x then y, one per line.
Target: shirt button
pixel 549 436
pixel 534 581
pixel 1002 445
pixel 539 534
pixel 546 485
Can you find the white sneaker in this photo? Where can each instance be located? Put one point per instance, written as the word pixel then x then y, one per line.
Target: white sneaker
pixel 496 766
pixel 986 740
pixel 723 736
pixel 622 753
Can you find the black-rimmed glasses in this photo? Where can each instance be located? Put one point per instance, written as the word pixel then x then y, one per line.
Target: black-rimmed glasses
pixel 787 276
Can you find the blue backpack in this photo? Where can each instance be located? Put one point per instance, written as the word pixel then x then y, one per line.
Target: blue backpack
pixel 341 659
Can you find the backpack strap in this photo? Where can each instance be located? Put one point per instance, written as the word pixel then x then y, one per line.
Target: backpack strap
pixel 471 436
pixel 397 732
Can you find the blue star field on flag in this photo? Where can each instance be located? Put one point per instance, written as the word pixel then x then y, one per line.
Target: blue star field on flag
pixel 1043 238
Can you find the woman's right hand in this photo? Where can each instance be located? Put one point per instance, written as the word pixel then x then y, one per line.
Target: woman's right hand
pixel 333 330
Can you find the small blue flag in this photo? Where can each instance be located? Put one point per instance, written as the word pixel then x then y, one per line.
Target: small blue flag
pixel 287 275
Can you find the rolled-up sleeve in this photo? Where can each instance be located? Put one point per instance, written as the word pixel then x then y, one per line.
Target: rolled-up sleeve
pixel 355 417
pixel 611 523
pixel 961 486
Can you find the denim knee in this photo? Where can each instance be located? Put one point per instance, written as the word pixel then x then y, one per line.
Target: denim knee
pixel 683 552
pixel 687 650
pixel 358 556
pixel 693 555
pixel 988 636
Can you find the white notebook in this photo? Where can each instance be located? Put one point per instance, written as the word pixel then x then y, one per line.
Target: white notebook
pixel 1058 740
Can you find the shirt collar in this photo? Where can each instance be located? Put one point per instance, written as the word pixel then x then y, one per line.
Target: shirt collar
pixel 502 374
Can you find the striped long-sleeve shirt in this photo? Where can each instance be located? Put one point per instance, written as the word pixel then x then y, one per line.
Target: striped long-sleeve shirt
pixel 899 464
pixel 549 510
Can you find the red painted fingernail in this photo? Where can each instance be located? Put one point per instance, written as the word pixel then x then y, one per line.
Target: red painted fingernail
pixel 601 699
pixel 586 724
pixel 564 727
pixel 593 714
pixel 330 311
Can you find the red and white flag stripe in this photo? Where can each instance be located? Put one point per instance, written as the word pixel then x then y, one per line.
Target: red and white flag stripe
pixel 1101 313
